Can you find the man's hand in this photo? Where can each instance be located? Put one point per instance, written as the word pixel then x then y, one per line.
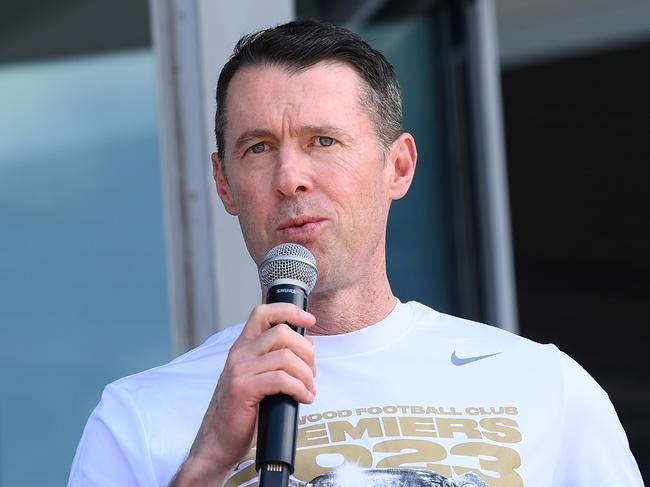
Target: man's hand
pixel 268 358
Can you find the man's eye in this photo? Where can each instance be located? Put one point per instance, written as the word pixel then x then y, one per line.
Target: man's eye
pixel 325 141
pixel 258 148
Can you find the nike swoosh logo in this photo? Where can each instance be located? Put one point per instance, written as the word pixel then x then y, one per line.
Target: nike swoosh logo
pixel 456 360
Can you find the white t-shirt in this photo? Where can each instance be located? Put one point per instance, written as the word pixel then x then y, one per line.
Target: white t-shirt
pixel 420 389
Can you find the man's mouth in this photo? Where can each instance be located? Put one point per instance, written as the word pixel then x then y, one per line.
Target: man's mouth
pixel 300 228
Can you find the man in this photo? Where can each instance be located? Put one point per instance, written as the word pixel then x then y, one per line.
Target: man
pixel 311 150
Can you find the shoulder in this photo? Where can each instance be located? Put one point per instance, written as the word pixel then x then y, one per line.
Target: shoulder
pixel 201 364
pixel 144 424
pixel 471 338
pixel 146 408
pixel 450 327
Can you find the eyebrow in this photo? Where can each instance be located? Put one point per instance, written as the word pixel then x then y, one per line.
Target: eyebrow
pixel 321 129
pixel 249 135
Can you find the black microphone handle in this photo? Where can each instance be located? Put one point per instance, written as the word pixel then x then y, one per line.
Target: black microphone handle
pixel 278 414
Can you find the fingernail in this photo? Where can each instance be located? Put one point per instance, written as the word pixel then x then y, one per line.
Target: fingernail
pixel 307 314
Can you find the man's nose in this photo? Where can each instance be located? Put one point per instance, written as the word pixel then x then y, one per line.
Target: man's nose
pixel 293 172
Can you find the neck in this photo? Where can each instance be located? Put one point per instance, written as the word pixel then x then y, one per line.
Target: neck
pixel 352 308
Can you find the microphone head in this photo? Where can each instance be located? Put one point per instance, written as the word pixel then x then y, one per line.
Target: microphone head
pixel 289 262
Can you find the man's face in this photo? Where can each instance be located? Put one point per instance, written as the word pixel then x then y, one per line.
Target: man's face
pixel 303 165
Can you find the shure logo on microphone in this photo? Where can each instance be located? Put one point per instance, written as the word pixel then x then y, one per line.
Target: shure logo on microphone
pixel 286 290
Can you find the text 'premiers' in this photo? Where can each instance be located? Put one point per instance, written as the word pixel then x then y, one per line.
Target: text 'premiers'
pixel 447 440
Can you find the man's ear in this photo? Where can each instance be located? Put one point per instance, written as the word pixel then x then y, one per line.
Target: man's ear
pixel 223 188
pixel 403 158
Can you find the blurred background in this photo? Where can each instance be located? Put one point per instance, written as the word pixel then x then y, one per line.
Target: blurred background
pixel 529 210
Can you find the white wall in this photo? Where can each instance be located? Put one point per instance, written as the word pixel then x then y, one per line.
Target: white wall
pixel 221 24
pixel 213 282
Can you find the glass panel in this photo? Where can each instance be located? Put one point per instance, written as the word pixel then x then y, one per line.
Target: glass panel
pixel 83 296
pixel 419 246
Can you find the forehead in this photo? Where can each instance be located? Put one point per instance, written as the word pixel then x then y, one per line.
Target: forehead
pixel 326 93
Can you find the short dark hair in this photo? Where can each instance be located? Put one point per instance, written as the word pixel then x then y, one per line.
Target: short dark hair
pixel 299 45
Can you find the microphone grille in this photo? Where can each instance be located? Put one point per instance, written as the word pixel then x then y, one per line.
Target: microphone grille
pixel 289 261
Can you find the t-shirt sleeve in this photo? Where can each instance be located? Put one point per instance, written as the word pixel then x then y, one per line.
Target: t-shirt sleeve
pixel 595 449
pixel 113 449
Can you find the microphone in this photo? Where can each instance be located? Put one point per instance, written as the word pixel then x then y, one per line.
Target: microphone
pixel 289 273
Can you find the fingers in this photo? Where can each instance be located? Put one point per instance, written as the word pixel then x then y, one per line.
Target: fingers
pixel 279 381
pixel 252 366
pixel 282 337
pixel 266 331
pixel 269 357
pixel 264 316
pixel 273 382
pixel 282 360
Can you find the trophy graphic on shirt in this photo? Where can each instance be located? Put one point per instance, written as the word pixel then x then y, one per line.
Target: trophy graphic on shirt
pixel 352 476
